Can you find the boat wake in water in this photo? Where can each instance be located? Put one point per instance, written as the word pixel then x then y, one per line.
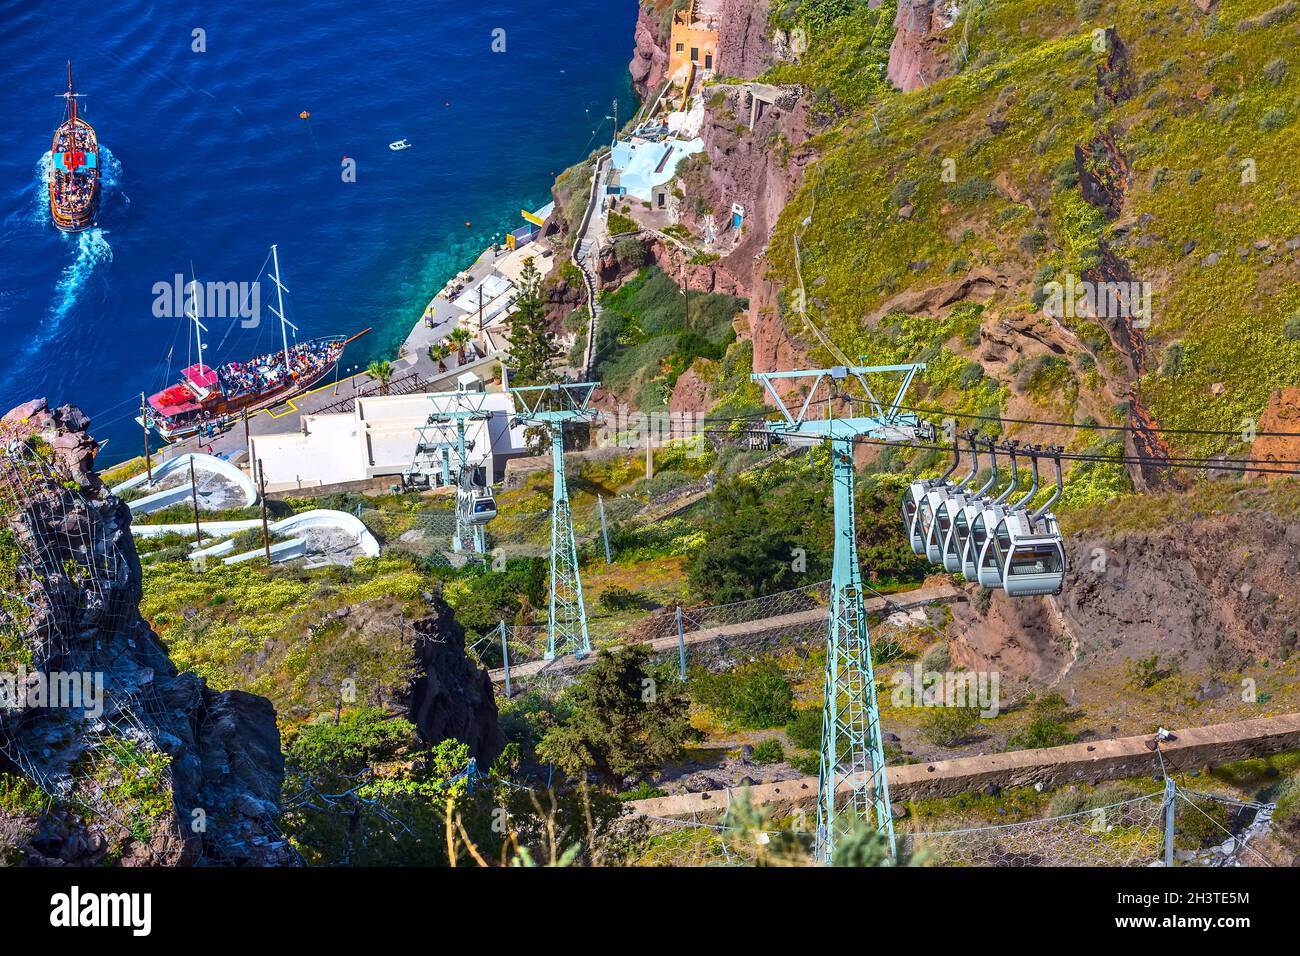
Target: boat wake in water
pixel 93 251
pixel 92 247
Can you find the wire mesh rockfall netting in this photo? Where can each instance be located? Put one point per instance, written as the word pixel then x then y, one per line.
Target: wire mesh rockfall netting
pixel 65 575
pixel 1124 833
pixel 1128 833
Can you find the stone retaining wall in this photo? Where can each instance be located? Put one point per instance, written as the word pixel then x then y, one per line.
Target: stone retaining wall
pixel 1091 762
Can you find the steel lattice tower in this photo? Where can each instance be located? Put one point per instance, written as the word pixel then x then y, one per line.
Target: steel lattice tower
pixel 852 788
pixel 452 410
pixel 553 406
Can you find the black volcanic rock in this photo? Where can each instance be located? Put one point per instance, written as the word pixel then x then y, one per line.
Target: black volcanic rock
pixel 452 697
pixel 171 772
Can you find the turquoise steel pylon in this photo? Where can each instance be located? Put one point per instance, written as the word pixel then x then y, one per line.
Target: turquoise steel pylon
pixel 553 406
pixel 851 787
pixel 452 410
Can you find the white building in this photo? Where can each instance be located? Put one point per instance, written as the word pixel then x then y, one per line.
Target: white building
pixel 379 438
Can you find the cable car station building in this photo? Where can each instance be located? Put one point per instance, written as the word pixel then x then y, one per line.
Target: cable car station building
pixel 379 439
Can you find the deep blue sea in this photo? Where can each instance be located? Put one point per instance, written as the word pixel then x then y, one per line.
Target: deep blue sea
pixel 206 161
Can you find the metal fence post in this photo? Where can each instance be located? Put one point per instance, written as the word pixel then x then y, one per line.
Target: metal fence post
pixel 604 530
pixel 681 644
pixel 1170 792
pixel 505 656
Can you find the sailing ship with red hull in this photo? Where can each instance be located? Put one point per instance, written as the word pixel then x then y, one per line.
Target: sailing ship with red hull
pixel 208 399
pixel 74 168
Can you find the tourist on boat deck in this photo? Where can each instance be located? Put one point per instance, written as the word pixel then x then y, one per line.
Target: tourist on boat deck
pixel 268 370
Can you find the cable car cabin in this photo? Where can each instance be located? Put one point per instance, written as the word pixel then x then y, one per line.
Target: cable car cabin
pixel 956 515
pixel 1025 561
pixel 986 517
pixel 963 529
pixel 957 556
pixel 476 505
pixel 988 569
pixel 919 503
pixel 934 522
pixel 912 499
pixel 474 499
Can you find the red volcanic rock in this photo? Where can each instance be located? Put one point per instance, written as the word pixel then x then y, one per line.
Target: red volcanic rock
pixel 915 56
pixel 650 60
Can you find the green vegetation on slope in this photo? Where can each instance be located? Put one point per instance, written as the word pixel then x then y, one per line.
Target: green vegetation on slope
pixel 646 338
pixel 979 170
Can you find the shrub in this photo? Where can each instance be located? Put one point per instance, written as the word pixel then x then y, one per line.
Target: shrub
pixel 938 660
pixel 902 193
pixel 1047 727
pixel 1274 71
pixel 1291 330
pixel 619 224
pixel 809 765
pixel 1286 817
pixel 1072 799
pixel 972 190
pixel 1273 120
pixel 614 728
pixel 629 251
pixel 360 737
pixel 644 790
pixel 754 695
pixel 1145 672
pixel 1033 241
pixel 948 726
pixel 769 751
pixel 805 729
pixel 1175 360
pixel 970 376
pixel 1286 643
pixel 617 598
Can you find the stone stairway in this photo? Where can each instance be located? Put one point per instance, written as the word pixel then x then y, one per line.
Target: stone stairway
pixel 584 260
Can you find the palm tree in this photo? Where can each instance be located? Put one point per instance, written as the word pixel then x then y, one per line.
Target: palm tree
pixel 439 353
pixel 381 372
pixel 460 338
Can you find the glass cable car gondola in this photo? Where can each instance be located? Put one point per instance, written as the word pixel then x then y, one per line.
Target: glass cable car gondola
pixel 957 556
pixel 1024 554
pixel 990 516
pixel 917 502
pixel 952 507
pixel 935 520
pixel 474 499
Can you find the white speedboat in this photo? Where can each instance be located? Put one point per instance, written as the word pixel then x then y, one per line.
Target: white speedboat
pixel 400 144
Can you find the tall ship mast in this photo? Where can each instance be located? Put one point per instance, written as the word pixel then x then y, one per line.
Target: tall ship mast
pixel 74 168
pixel 208 399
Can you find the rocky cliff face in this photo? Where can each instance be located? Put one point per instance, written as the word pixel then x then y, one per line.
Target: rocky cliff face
pixel 452 697
pixel 745 46
pixel 916 57
pixel 758 168
pixel 1208 593
pixel 650 58
pixel 151 767
pixel 1280 422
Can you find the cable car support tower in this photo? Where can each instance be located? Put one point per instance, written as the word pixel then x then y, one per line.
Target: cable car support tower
pixel 852 751
pixel 444 432
pixel 552 406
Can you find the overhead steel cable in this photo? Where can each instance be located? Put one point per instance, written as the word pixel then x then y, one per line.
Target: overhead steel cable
pixel 1094 426
pixel 1207 464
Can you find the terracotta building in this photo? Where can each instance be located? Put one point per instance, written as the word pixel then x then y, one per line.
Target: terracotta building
pixel 694 37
